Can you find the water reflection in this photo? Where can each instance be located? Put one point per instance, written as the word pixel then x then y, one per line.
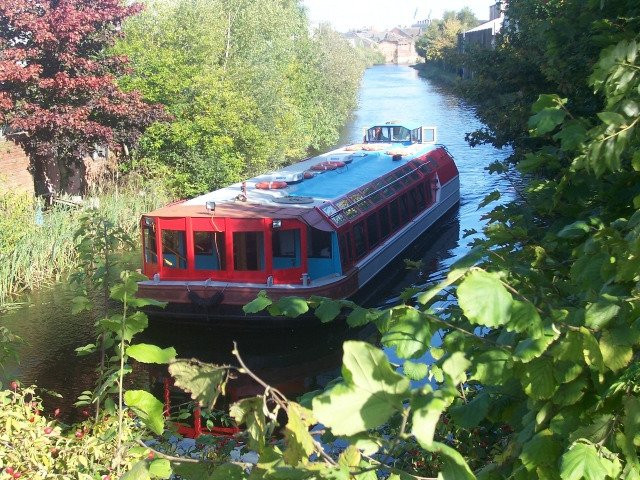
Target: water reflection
pixel 294 361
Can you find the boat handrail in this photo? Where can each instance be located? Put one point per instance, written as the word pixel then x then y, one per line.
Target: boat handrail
pixel 351 205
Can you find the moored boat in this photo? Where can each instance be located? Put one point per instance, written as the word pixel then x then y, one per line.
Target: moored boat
pixel 324 226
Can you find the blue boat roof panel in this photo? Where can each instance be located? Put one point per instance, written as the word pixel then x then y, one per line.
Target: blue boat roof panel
pixel 362 167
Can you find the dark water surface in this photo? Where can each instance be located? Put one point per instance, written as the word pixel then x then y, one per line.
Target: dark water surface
pixel 294 361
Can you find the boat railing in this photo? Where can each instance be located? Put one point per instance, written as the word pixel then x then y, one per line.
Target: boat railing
pixel 422 166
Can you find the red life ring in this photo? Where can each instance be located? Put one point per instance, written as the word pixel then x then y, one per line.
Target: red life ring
pixel 324 166
pixel 271 185
pixel 308 174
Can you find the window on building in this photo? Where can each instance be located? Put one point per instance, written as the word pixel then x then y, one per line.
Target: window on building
pixel 318 243
pixel 209 250
pixel 372 230
pixel 359 239
pixel 248 251
pixel 174 249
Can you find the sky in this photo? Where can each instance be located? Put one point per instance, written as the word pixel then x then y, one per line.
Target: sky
pixel 348 14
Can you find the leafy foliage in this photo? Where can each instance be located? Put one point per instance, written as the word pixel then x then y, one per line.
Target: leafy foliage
pixel 59 95
pixel 248 86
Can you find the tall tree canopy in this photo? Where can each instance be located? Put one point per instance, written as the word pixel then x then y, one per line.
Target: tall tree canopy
pixel 249 87
pixel 58 92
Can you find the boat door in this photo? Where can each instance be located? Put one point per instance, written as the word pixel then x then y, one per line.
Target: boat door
pixel 248 242
pixel 288 251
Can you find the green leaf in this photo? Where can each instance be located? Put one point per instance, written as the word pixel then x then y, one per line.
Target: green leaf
pixel 454 465
pixel 427 410
pixel 350 458
pixel 249 411
pixel 148 408
pixel 146 353
pixel 525 318
pixel 358 317
pixel 484 300
pixel 582 461
pixel 145 302
pixel 528 349
pixel 491 367
pixel 86 350
pixel 415 371
pixel 542 449
pixel 371 393
pixel 138 472
pixel 616 355
pixel 160 468
pixel 469 415
pixel 546 120
pixel 80 304
pixel 204 381
pixel 612 118
pixel 298 439
pixel 258 304
pixel 591 351
pixel 409 333
pixel 226 471
pixel 492 197
pixel 292 306
pixel 328 310
pixel 455 367
pixel 598 315
pixel 575 230
pixel 538 380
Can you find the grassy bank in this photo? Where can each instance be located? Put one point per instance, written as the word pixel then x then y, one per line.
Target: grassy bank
pixel 37 247
pixel 438 75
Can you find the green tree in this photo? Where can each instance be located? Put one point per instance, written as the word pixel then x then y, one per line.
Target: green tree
pixel 249 87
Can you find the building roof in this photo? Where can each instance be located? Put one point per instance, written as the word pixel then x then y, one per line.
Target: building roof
pixel 494 25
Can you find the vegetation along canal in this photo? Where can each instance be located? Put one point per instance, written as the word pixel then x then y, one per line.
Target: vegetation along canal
pixel 301 360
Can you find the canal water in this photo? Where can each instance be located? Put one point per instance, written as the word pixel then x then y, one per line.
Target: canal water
pixel 301 360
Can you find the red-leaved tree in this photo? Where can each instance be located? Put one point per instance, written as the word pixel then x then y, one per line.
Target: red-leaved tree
pixel 58 93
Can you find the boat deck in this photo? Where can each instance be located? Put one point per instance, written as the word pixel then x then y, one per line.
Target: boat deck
pixel 365 167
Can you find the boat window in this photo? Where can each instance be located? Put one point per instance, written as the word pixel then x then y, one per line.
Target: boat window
pixel 174 249
pixel 401 134
pixel 405 212
pixel 394 215
pixel 209 250
pixel 379 134
pixel 285 248
pixel 149 242
pixel 417 196
pixel 384 222
pixel 248 251
pixel 360 240
pixel 372 230
pixel 345 249
pixel 318 243
pixel 416 135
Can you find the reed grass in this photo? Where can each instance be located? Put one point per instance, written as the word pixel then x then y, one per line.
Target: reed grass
pixel 37 247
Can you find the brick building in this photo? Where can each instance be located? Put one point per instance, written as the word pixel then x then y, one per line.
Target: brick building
pixel 14 164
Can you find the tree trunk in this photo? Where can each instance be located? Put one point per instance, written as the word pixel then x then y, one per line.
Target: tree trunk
pixel 52 177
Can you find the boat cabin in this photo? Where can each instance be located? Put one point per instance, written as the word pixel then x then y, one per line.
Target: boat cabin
pixel 309 223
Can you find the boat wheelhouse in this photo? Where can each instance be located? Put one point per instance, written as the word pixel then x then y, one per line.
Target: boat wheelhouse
pixel 324 226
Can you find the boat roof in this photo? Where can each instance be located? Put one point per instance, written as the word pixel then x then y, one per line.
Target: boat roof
pixel 366 163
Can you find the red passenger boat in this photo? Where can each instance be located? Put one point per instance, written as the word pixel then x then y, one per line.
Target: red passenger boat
pixel 324 226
